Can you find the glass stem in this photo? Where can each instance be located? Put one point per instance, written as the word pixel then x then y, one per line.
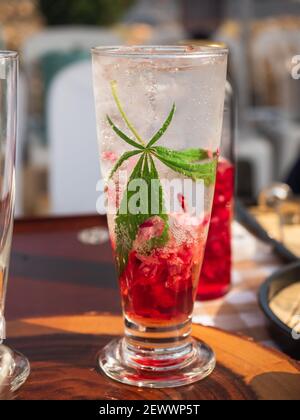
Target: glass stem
pixel 159 346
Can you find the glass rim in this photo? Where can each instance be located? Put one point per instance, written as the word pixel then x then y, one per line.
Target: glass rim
pixel 8 55
pixel 206 49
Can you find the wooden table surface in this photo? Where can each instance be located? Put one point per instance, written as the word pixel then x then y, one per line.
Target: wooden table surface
pixel 63 305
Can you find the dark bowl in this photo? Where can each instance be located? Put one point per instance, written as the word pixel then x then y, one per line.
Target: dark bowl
pixel 281 332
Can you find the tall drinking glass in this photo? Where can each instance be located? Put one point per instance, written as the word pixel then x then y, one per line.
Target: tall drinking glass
pixel 14 368
pixel 159 117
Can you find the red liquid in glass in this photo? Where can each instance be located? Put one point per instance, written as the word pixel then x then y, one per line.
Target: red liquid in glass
pixel 161 287
pixel 215 276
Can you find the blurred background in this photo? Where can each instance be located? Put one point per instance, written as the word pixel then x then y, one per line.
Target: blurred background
pixel 57 158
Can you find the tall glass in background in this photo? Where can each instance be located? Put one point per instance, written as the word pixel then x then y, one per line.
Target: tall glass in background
pixel 14 367
pixel 159 120
pixel 215 279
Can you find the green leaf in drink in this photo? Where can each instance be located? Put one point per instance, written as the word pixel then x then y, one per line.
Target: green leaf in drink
pixel 192 163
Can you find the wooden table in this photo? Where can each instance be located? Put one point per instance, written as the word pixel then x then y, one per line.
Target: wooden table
pixel 63 305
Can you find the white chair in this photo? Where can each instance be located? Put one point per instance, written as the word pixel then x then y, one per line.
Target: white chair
pixel 74 163
pixel 258 152
pixel 272 52
pixel 268 55
pixel 59 39
pixel 285 135
pixel 66 38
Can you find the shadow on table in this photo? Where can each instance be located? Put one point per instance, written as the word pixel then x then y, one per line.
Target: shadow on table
pixel 6 395
pixel 270 384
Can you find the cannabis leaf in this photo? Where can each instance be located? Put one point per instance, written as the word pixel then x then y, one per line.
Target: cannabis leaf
pixel 183 165
pixel 186 162
pixel 127 223
pixel 123 158
pixel 188 155
pixel 164 128
pixel 128 123
pixel 123 136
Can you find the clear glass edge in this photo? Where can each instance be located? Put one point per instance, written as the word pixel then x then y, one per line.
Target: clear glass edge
pixel 8 55
pixel 162 51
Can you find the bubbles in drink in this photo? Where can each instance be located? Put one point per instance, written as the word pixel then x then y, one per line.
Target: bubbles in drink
pixel 160 274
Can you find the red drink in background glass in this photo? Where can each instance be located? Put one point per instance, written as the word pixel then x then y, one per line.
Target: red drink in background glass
pixel 215 276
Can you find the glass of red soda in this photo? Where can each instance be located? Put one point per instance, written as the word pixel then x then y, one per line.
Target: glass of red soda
pixel 215 279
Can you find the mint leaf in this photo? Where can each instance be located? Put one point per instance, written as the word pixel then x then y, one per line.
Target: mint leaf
pixel 163 129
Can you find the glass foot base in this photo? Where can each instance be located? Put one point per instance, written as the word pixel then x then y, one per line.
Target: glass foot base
pixel 193 362
pixel 14 370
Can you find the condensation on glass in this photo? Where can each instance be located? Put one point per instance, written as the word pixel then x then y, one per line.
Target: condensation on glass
pixel 159 117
